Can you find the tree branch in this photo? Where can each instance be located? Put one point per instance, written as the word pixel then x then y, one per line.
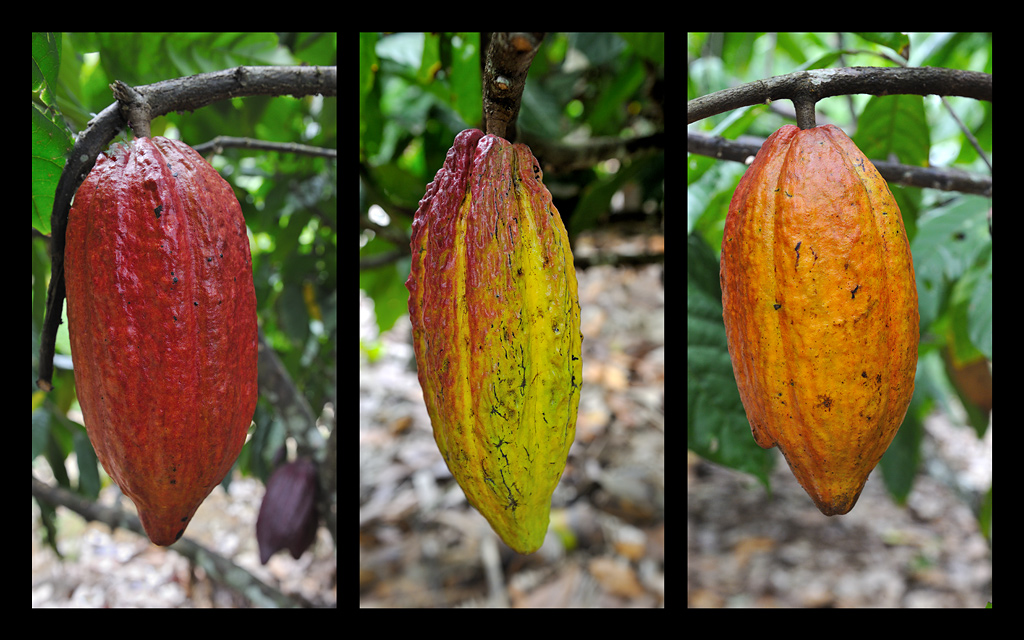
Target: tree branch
pixel 506 63
pixel 824 83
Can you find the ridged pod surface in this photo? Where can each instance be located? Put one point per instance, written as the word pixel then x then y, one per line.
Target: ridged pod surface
pixel 162 320
pixel 820 309
pixel 496 330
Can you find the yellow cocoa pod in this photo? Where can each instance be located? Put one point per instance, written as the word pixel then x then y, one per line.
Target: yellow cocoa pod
pixel 820 309
pixel 496 329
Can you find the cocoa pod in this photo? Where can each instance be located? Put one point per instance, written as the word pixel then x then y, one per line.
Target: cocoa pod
pixel 162 321
pixel 496 330
pixel 820 309
pixel 288 517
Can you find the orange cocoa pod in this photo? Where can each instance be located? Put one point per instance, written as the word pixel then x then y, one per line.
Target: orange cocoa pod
pixel 820 309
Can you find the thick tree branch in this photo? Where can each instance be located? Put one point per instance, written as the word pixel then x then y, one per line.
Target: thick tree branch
pixel 506 63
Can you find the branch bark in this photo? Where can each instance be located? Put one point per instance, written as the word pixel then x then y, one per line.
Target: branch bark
pixel 824 83
pixel 506 63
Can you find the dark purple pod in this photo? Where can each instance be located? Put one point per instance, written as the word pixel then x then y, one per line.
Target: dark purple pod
pixel 288 517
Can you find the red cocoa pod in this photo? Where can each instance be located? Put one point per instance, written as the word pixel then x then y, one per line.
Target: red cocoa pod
pixel 162 320
pixel 496 329
pixel 820 309
pixel 288 517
